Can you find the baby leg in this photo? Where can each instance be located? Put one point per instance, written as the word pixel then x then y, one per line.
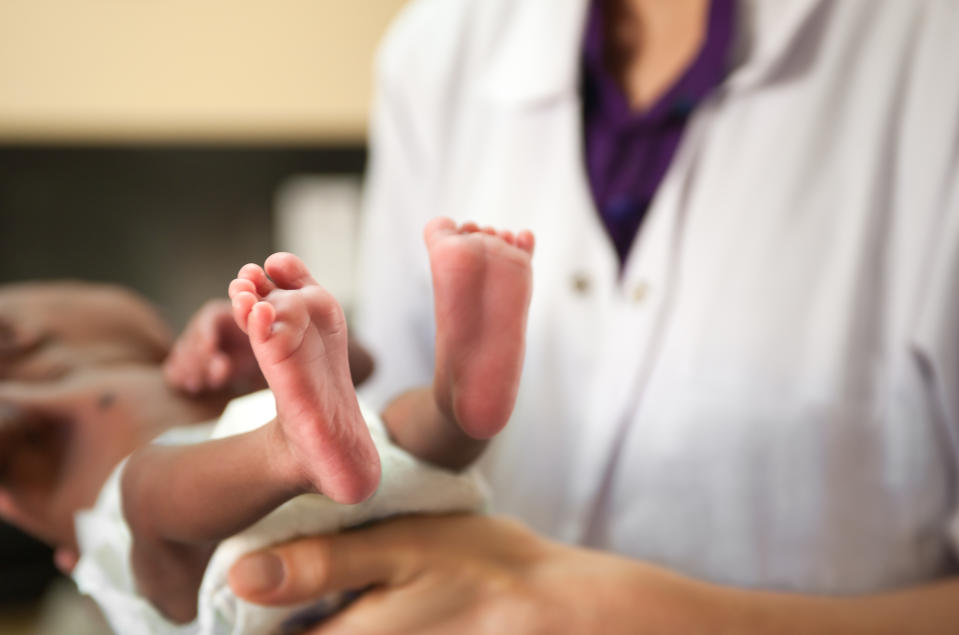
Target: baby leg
pixel 180 501
pixel 298 334
pixel 482 283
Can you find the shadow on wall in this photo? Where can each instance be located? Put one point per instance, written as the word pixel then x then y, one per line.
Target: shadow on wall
pixel 174 223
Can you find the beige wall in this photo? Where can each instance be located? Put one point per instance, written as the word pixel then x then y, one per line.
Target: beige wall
pixel 187 70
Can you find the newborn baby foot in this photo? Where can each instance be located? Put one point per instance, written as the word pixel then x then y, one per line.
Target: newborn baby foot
pixel 298 334
pixel 482 282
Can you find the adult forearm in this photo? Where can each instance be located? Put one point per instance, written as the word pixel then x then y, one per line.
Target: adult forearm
pixel 633 597
pixel 931 609
pixel 418 426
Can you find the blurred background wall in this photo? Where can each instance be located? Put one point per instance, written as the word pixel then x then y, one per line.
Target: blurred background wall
pixel 144 141
pixel 138 71
pixel 161 144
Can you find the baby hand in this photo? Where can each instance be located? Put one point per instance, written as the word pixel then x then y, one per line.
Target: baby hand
pixel 213 354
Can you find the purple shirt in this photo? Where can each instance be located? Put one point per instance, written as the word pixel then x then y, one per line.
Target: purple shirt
pixel 628 152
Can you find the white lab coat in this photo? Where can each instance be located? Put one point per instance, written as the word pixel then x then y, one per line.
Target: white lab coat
pixel 769 393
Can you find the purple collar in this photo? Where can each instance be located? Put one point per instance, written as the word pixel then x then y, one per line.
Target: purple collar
pixel 704 73
pixel 629 152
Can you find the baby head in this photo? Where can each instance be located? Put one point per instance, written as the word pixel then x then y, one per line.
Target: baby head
pixel 66 350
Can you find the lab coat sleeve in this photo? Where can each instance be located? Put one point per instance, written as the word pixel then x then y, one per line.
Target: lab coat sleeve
pixel 937 336
pixel 394 317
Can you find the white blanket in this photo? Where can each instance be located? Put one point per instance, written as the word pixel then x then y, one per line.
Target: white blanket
pixel 104 572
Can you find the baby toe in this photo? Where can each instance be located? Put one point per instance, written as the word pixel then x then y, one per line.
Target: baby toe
pixel 288 271
pixel 256 275
pixel 243 303
pixel 260 321
pixel 241 285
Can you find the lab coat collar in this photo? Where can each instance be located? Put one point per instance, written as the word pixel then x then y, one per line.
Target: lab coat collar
pixel 535 55
pixel 768 35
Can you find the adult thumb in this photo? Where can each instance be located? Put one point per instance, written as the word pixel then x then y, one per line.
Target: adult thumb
pixel 310 568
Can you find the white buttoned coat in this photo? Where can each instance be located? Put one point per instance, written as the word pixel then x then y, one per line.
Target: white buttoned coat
pixel 768 393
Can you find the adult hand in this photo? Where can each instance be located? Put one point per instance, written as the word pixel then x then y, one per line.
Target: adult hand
pixel 469 575
pixel 472 575
pixel 213 354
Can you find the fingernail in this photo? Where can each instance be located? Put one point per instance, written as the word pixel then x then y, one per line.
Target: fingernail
pixel 259 573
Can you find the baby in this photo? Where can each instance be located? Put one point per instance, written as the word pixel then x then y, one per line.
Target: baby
pixel 180 501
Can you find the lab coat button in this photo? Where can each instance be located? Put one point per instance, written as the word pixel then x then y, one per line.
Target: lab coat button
pixel 580 283
pixel 639 292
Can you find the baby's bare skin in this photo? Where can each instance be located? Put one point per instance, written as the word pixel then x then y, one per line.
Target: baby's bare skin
pixel 481 287
pixel 213 355
pixel 52 328
pixel 60 439
pixel 298 334
pixel 181 501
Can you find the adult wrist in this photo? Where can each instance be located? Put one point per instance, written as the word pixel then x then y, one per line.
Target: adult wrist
pixel 636 593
